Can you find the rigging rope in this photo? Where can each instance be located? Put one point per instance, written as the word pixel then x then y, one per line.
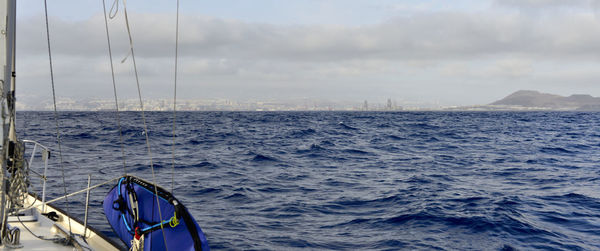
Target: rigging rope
pixel 115 7
pixel 18 181
pixel 62 167
pixel 112 71
pixel 175 99
pixel 137 80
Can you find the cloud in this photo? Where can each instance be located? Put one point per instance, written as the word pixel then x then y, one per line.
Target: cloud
pixel 414 7
pixel 437 36
pixel 433 36
pixel 222 54
pixel 512 68
pixel 543 3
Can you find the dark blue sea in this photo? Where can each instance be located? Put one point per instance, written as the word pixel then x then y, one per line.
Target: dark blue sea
pixel 350 180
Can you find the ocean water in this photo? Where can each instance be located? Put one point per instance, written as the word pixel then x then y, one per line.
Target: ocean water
pixel 350 180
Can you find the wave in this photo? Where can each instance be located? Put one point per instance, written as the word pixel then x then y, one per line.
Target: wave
pixel 303 133
pixel 398 138
pixel 555 150
pixel 81 136
pixel 423 126
pixel 314 148
pixel 327 143
pixel 475 224
pixel 237 197
pixel 357 152
pixel 575 199
pixel 202 165
pixel 380 202
pixel 263 158
pixel 347 127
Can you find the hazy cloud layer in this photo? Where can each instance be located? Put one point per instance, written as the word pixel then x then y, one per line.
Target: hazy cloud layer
pixel 429 36
pixel 430 55
pixel 544 3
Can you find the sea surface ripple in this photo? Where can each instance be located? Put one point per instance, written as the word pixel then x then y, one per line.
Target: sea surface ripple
pixel 349 180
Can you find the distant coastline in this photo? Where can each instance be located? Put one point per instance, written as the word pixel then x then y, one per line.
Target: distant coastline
pixel 523 100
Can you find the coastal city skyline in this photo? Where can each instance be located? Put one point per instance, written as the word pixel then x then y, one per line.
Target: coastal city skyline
pixel 523 100
pixel 223 104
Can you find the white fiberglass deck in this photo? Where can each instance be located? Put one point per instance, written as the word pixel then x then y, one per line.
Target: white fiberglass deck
pixel 42 226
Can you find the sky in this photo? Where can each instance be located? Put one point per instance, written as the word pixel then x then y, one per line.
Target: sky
pixel 460 52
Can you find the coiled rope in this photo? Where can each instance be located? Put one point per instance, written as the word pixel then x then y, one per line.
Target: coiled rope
pixel 19 180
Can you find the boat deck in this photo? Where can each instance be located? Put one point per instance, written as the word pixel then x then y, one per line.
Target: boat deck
pixel 40 225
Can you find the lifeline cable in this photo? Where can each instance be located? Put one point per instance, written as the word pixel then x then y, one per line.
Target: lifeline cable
pixel 62 167
pixel 137 80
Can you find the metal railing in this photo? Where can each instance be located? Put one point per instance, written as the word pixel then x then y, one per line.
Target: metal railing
pixel 45 155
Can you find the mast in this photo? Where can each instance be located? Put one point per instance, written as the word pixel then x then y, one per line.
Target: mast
pixel 7 83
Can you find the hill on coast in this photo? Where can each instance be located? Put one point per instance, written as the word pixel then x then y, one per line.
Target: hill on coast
pixel 533 99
